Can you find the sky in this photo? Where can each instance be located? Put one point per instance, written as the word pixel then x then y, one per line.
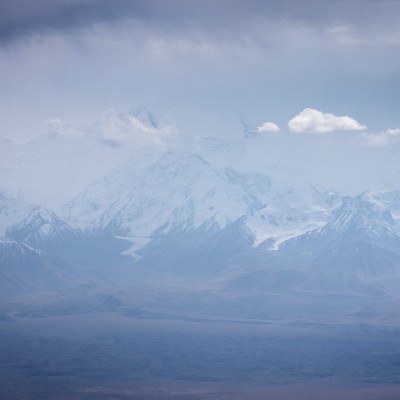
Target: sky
pixel 224 68
pixel 203 64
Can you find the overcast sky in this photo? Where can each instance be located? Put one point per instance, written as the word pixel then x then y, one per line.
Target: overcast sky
pixel 200 63
pixel 212 68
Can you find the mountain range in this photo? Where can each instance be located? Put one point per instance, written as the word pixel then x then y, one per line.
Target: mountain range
pixel 187 211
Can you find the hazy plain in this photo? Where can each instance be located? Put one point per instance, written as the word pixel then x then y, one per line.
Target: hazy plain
pixel 204 349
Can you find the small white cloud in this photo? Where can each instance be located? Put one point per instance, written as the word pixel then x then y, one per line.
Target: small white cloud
pixel 268 127
pixel 382 138
pixel 314 121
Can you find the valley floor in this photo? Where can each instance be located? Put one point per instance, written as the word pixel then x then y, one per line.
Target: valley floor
pixel 108 355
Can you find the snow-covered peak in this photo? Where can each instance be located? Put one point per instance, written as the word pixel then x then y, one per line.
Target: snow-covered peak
pixel 144 116
pixel 386 199
pixel 291 213
pixel 40 215
pixel 180 191
pixel 359 212
pixel 136 130
pixel 11 251
pixel 39 226
pixel 361 216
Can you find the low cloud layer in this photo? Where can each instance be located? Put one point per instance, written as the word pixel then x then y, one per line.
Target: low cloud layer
pixel 314 121
pixel 137 128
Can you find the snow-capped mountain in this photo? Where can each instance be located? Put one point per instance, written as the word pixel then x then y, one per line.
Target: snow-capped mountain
pixel 192 207
pixel 145 117
pixel 359 244
pixel 386 199
pixel 178 192
pixel 291 213
pixel 54 167
pixel 41 227
pixel 359 218
pixel 356 252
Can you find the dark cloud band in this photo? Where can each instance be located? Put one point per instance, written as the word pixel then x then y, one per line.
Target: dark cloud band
pixel 23 17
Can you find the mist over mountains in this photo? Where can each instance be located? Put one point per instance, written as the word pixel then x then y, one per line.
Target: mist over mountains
pixel 143 198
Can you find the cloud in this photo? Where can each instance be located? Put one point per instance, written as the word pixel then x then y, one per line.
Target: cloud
pixel 268 127
pixel 190 59
pixel 56 125
pixel 314 121
pixel 382 138
pixel 24 17
pixel 338 30
pixel 18 19
pixel 138 127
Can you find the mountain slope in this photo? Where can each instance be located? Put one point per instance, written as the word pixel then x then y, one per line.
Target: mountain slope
pixel 291 213
pixel 54 167
pixel 179 192
pixel 24 269
pixel 360 242
pixel 41 228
